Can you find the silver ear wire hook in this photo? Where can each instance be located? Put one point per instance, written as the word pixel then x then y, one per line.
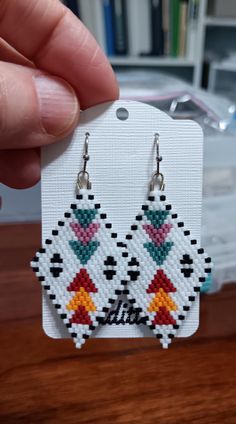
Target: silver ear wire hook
pixel 157 180
pixel 83 176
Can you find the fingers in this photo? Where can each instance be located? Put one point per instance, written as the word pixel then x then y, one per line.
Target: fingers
pixel 50 35
pixel 9 54
pixel 35 109
pixel 19 168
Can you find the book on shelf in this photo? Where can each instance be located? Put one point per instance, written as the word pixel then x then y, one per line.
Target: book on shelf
pixel 133 28
pixel 139 27
pixel 192 22
pixel 119 16
pixel 183 21
pixel 108 25
pixel 157 47
pixel 73 6
pixel 91 14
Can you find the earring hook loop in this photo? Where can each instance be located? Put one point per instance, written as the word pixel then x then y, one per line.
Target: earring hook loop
pixel 83 176
pixel 157 180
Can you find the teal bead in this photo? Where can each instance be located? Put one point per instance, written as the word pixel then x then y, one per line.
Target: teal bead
pixel 157 218
pixel 84 252
pixel 158 254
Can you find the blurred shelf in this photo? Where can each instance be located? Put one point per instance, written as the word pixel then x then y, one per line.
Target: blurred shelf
pixel 151 61
pixel 223 22
pixel 224 66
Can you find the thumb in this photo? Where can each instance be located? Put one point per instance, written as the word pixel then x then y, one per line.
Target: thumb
pixel 35 109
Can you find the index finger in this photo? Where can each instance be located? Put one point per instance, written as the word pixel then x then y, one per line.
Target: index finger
pixel 48 34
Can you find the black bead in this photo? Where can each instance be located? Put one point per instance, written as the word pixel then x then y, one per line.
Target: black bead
pixel 187 272
pixel 152 327
pixel 108 225
pixel 57 306
pixel 202 279
pixel 159 336
pixel 56 258
pixel 162 198
pixel 73 206
pixel 73 335
pixel 91 327
pixel 52 296
pixel 120 244
pixel 103 216
pixel 168 207
pixel 85 336
pixel 174 215
pixel 42 250
pixel 125 254
pixel 125 291
pixel 133 275
pixel 132 301
pixel 180 224
pixel 201 250
pixel 181 317
pixel 79 196
pixel 46 287
pixel 35 259
pixel 196 289
pixel 129 237
pixel 138 310
pixel 48 241
pixel 41 278
pixel 139 218
pixel 186 260
pixel 56 271
pixel 109 273
pixel 118 292
pixel 171 336
pixel 36 269
pixel 176 326
pixel 105 309
pixel 134 227
pixel 91 197
pixel 191 298
pixel 99 319
pixel 111 301
pixel 61 223
pixel 207 270
pixel 151 198
pixel 186 308
pixel 208 260
pixel 54 232
pixel 193 242
pixel 187 233
pixel 67 214
pixel 133 262
pixel 113 235
pixel 145 207
pixel 97 206
pixel 63 316
pixel 68 325
pixel 123 282
pixel 110 261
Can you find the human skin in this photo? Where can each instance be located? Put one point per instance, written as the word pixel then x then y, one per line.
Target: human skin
pixel 51 67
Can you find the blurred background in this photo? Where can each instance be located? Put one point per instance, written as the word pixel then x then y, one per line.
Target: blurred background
pixel 180 56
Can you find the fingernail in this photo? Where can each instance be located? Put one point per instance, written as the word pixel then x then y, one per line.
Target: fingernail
pixel 58 105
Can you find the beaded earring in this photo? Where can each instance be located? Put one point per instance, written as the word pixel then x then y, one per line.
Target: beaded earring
pixel 81 266
pixel 169 267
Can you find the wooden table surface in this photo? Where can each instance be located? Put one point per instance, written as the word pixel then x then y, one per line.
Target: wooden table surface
pixel 120 381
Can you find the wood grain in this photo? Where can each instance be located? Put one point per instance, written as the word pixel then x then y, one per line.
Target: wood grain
pixel 120 381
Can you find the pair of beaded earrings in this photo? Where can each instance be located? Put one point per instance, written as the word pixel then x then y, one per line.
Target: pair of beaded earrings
pixel 84 268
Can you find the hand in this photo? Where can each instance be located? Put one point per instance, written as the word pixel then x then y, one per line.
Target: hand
pixel 50 68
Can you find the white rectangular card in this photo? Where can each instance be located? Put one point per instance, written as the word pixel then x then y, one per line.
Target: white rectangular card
pixel 122 160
